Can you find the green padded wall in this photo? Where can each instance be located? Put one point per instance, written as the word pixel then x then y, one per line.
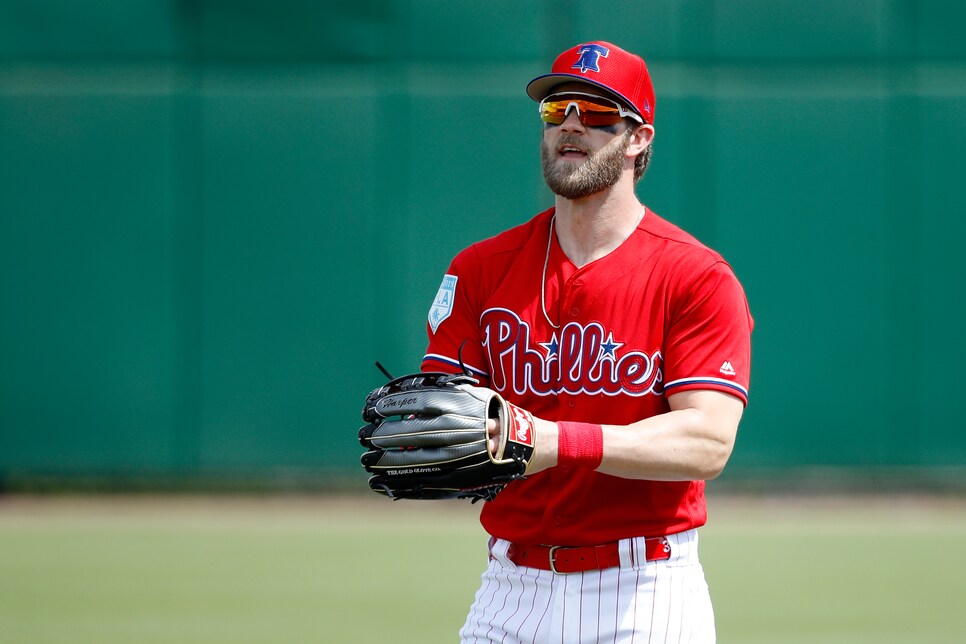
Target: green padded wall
pixel 216 215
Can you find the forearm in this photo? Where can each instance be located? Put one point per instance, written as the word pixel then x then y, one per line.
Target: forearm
pixel 692 442
pixel 682 445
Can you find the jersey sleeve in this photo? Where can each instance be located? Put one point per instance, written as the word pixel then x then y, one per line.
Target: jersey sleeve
pixel 708 345
pixel 453 323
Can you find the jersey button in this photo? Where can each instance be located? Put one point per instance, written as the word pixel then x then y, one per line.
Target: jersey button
pixel 557 520
pixel 574 312
pixel 571 403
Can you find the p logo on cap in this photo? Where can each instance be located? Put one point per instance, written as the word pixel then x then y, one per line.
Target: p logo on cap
pixel 589 55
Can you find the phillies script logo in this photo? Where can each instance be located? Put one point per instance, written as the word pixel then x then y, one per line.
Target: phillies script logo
pixel 577 359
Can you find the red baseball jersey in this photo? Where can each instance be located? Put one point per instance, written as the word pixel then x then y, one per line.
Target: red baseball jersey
pixel 661 313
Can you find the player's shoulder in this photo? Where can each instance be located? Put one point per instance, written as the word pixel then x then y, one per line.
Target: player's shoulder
pixel 678 244
pixel 508 243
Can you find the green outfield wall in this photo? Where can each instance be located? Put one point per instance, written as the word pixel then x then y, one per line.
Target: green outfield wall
pixel 216 215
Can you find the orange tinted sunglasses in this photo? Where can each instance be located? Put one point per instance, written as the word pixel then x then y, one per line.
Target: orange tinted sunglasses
pixel 592 111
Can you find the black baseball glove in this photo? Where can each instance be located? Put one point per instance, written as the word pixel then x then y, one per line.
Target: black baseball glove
pixel 427 438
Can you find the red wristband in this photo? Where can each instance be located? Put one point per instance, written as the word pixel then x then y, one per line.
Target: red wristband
pixel 580 444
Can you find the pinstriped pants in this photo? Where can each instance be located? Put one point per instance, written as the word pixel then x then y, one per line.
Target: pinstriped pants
pixel 641 601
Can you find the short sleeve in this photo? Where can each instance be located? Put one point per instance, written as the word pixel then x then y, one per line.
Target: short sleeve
pixel 453 323
pixel 708 343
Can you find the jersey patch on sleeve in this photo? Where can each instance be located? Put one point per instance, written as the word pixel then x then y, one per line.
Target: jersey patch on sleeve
pixel 443 304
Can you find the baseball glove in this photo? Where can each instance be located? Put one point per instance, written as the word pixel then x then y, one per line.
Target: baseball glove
pixel 427 438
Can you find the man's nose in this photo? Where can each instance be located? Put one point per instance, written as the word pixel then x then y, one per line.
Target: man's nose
pixel 572 122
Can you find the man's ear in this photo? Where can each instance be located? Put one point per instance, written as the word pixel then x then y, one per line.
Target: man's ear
pixel 641 138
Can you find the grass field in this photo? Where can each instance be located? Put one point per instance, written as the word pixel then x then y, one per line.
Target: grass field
pixel 364 569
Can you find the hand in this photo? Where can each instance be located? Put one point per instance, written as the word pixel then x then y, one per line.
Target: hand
pixel 545 436
pixel 423 438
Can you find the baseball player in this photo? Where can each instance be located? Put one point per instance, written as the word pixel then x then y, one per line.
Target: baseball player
pixel 629 343
pixel 586 373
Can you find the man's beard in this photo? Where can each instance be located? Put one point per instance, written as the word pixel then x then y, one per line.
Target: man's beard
pixel 597 173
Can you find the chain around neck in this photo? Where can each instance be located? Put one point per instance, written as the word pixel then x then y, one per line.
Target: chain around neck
pixel 546 263
pixel 543 279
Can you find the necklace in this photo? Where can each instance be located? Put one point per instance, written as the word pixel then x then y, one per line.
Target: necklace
pixel 543 279
pixel 546 263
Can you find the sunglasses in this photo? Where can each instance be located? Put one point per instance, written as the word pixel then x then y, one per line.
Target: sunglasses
pixel 592 111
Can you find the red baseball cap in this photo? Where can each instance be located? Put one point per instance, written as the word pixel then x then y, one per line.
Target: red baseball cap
pixel 605 65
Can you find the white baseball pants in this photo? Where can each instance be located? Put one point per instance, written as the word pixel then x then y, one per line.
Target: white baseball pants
pixel 657 602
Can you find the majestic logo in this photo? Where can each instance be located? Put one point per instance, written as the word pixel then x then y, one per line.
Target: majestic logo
pixel 581 359
pixel 589 60
pixel 727 369
pixel 443 303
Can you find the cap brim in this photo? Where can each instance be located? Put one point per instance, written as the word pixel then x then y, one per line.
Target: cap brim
pixel 539 88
